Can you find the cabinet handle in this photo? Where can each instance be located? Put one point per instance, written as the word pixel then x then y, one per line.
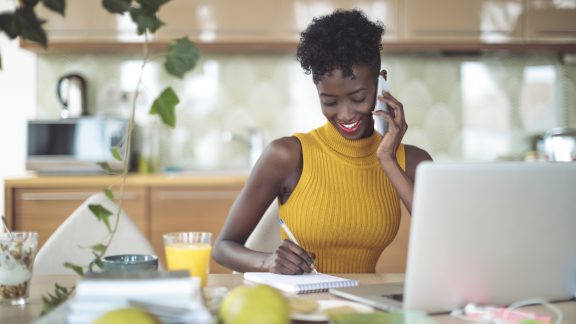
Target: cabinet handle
pixel 69 196
pixel 205 195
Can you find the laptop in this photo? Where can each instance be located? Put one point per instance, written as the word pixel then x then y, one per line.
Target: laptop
pixel 485 233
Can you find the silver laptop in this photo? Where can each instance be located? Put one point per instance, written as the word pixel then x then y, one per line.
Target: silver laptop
pixel 485 233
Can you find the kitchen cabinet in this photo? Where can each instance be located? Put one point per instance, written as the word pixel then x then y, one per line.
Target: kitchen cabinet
pixel 269 26
pixel 260 21
pixel 551 21
pixel 201 209
pixel 158 204
pixel 87 21
pixel 480 21
pixel 43 209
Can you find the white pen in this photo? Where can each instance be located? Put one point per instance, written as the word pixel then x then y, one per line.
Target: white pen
pixel 292 238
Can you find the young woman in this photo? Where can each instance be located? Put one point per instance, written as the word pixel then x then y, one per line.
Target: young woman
pixel 339 186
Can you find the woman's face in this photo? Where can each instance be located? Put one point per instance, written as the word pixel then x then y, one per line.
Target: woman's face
pixel 347 102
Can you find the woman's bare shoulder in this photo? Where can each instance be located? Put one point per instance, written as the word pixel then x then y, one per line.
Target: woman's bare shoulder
pixel 284 151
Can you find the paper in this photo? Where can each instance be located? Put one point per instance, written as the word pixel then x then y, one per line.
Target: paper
pixel 300 284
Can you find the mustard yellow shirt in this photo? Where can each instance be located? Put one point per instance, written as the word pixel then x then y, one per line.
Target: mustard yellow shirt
pixel 344 208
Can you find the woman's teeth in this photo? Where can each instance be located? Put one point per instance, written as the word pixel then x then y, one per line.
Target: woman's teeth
pixel 351 127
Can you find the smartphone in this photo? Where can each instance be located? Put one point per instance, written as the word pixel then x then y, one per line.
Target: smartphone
pixel 380 123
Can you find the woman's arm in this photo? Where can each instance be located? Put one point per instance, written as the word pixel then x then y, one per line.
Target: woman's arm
pixel 402 180
pixel 268 179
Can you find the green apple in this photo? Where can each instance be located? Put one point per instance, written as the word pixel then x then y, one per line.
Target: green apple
pixel 126 315
pixel 259 304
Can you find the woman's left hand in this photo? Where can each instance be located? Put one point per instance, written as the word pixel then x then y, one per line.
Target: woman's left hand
pixel 396 127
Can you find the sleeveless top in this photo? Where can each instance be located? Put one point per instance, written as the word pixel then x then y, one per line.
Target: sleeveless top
pixel 344 208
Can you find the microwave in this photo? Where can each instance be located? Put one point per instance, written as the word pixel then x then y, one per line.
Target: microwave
pixel 74 145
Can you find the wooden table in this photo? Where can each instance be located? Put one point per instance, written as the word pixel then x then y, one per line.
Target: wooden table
pixel 42 284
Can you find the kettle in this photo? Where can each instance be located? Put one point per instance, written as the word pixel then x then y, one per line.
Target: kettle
pixel 71 92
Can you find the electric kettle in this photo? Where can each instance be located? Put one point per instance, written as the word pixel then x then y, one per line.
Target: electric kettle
pixel 71 92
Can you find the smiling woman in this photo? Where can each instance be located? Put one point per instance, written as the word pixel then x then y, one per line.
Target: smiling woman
pixel 339 186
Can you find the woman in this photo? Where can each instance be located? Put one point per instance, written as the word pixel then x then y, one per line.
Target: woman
pixel 339 186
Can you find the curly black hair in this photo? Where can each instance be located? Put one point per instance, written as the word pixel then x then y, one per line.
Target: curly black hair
pixel 340 40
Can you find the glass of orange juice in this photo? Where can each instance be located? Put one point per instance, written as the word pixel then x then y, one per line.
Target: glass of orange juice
pixel 189 251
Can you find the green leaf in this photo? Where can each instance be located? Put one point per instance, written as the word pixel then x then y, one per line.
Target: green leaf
pixel 116 6
pixel 108 192
pixel 116 153
pixel 152 5
pixel 181 57
pixel 30 26
pixel 99 247
pixel 106 167
pixel 102 214
pixel 76 268
pixel 58 6
pixel 9 24
pixel 165 106
pixel 145 21
pixel 51 301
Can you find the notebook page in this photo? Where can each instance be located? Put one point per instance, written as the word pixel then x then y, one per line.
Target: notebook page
pixel 299 284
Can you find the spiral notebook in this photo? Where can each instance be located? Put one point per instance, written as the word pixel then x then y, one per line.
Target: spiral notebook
pixel 300 284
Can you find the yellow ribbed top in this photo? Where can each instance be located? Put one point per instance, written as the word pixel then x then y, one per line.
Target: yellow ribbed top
pixel 344 208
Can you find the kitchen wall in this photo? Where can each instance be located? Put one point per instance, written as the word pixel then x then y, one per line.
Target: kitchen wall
pixel 474 107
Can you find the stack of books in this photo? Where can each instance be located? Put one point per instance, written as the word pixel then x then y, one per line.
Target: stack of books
pixel 171 296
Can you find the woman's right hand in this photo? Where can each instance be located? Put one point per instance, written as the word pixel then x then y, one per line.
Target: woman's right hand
pixel 289 258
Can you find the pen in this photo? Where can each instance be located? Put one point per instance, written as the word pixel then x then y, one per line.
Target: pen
pixel 293 239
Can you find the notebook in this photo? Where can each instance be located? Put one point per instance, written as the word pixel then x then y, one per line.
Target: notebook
pixel 300 284
pixel 485 233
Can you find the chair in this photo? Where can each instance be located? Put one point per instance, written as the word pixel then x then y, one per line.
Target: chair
pixel 266 235
pixel 72 239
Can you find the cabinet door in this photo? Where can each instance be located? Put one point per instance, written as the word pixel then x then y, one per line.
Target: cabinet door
pixel 549 20
pixel 87 21
pixel 217 21
pixel 201 209
pixel 260 21
pixel 43 210
pixel 488 21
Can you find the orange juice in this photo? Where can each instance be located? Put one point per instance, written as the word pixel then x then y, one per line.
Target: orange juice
pixel 194 257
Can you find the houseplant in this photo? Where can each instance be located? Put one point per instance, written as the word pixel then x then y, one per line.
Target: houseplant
pixel 181 57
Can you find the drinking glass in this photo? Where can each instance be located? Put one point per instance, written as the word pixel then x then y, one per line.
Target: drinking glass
pixel 189 251
pixel 17 252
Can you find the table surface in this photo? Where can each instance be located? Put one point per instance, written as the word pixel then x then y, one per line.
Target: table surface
pixel 42 284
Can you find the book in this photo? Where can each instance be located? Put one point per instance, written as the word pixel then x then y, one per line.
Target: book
pixel 172 296
pixel 300 284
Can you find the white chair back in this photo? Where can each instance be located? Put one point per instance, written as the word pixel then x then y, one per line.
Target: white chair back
pixel 266 235
pixel 72 239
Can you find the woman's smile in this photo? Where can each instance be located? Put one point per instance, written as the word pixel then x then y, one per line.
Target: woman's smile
pixel 349 128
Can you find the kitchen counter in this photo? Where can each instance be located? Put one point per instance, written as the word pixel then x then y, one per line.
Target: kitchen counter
pixel 186 178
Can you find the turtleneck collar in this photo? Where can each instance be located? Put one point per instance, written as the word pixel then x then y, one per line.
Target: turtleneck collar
pixel 361 148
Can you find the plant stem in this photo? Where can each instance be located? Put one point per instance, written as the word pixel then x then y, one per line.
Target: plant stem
pixel 128 143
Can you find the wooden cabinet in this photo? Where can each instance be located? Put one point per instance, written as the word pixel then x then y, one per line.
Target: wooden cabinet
pixel 202 209
pixel 486 21
pixel 263 25
pixel 158 204
pixel 549 20
pixel 87 21
pixel 44 209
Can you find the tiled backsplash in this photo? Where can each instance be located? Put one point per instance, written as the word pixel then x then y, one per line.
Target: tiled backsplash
pixel 457 107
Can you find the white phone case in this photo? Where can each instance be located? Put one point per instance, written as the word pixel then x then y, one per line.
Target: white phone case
pixel 380 123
